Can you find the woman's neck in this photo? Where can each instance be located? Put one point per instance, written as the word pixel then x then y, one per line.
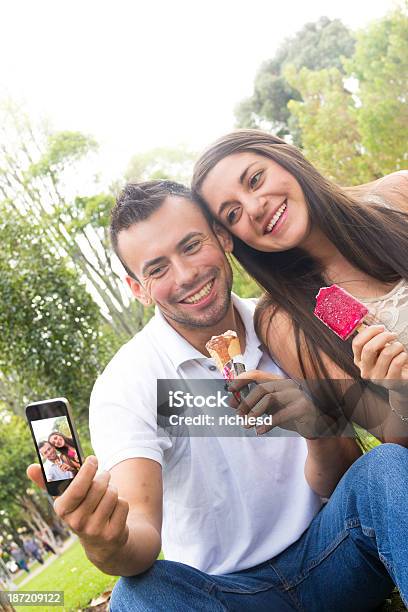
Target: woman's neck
pixel 321 249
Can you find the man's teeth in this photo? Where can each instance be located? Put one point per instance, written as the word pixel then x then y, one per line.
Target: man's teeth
pixel 193 299
pixel 276 217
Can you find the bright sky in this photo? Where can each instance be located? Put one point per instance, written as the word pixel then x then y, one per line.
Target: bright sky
pixel 144 73
pixel 43 428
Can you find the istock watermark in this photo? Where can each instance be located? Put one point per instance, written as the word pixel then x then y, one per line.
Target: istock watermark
pixel 276 408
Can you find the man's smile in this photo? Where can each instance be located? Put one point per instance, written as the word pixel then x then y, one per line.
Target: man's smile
pixel 200 295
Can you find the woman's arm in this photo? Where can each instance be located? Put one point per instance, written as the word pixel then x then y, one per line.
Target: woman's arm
pixel 368 410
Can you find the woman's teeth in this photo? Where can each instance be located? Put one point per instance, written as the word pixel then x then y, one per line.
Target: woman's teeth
pixel 276 217
pixel 193 299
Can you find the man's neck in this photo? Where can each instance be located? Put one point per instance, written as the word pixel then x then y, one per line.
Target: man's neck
pixel 199 336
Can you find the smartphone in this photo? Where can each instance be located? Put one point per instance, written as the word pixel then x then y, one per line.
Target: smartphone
pixel 56 442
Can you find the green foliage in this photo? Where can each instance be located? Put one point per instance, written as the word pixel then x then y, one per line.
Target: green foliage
pixel 16 453
pixel 62 149
pixel 40 176
pixel 343 99
pixel 332 145
pixel 243 285
pixel 380 65
pixel 162 163
pixel 354 124
pixel 51 342
pixel 316 46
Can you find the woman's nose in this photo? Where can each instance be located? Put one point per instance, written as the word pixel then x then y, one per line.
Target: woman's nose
pixel 255 207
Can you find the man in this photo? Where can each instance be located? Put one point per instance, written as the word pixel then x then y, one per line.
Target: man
pixel 238 518
pixel 54 468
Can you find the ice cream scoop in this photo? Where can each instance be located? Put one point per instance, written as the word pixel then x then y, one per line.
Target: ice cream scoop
pixel 225 349
pixel 339 310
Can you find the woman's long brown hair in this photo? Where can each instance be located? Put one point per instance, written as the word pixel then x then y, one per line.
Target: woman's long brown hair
pixel 372 237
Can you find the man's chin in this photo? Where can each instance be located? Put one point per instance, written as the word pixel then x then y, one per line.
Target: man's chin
pixel 207 317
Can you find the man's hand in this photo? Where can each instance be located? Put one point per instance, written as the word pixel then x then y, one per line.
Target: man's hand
pixel 90 506
pixel 283 399
pixel 64 467
pixel 381 358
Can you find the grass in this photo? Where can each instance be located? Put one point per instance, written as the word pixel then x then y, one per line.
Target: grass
pixel 32 566
pixel 74 574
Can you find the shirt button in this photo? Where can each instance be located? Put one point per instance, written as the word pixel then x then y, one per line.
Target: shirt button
pixel 212 368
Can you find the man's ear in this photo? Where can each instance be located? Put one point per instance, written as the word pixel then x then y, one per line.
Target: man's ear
pixel 138 291
pixel 224 237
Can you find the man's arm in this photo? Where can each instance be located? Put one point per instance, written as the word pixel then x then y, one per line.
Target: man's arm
pixel 327 460
pixel 117 515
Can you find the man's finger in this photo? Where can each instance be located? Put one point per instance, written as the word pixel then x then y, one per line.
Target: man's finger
pixel 35 474
pixel 78 489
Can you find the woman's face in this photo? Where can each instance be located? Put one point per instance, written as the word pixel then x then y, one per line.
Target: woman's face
pixel 57 440
pixel 258 201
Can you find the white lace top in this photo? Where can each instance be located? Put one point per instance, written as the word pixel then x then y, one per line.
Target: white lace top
pixel 391 310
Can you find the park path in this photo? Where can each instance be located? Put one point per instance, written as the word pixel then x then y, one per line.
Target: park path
pixel 48 562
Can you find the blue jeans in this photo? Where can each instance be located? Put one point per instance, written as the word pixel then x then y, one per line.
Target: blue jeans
pixel 348 558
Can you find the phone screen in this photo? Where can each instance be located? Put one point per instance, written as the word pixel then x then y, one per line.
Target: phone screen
pixel 56 442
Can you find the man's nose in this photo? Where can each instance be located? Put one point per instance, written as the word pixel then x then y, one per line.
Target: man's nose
pixel 185 273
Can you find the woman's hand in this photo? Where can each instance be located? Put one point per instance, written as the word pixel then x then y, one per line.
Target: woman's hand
pixel 381 358
pixel 283 399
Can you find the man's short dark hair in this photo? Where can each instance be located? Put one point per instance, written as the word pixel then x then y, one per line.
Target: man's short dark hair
pixel 137 201
pixel 42 443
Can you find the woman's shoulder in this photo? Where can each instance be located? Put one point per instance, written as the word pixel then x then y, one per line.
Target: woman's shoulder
pixel 391 190
pixel 275 329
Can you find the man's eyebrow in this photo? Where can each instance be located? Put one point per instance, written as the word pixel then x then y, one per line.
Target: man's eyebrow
pixel 162 258
pixel 187 238
pixel 241 182
pixel 152 262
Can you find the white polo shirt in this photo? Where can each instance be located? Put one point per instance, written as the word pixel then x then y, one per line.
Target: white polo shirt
pixel 229 503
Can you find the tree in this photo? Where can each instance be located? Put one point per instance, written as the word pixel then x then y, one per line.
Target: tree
pixel 18 502
pixel 316 46
pixel 330 135
pixel 174 163
pixel 53 341
pixel 354 124
pixel 39 174
pixel 380 65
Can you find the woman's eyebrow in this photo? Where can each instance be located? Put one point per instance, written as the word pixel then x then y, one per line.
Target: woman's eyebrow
pixel 241 181
pixel 243 175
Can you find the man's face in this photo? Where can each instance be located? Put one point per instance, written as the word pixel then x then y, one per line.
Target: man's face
pixel 180 264
pixel 49 452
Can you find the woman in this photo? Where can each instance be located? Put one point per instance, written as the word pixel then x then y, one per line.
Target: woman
pixel 294 232
pixel 65 446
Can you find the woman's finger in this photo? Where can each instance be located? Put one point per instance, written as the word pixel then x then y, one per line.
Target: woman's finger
pixel 253 397
pixel 370 351
pixel 361 339
pixel 397 366
pixel 385 358
pixel 246 378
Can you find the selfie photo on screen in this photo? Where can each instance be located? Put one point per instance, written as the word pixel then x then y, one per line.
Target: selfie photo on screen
pixel 56 446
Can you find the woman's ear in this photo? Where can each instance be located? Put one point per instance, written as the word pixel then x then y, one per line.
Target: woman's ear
pixel 224 237
pixel 138 291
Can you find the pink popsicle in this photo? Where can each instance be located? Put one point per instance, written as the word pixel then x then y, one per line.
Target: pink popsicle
pixel 339 310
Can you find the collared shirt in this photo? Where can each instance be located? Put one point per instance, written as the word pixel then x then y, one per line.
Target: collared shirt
pixel 54 472
pixel 229 503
